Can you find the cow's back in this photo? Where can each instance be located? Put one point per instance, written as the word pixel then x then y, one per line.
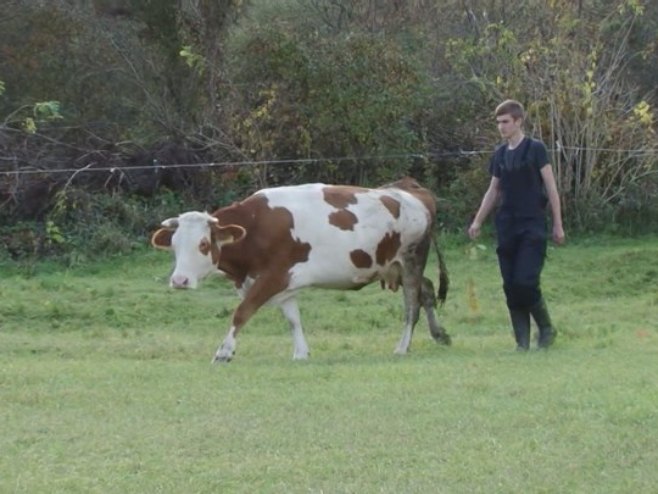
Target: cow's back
pixel 355 234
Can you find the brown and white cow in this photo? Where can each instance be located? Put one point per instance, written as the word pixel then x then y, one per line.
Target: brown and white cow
pixel 280 240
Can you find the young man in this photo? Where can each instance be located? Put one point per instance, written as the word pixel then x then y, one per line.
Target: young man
pixel 522 178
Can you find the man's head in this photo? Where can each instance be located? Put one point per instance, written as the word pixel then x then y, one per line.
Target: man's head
pixel 509 118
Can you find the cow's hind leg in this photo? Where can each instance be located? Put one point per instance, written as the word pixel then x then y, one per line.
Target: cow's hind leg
pixel 413 266
pixel 411 293
pixel 428 301
pixel 290 311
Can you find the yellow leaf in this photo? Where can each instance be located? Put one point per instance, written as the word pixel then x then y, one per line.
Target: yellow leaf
pixel 29 125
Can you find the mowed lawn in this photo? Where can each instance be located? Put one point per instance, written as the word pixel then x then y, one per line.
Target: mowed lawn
pixel 106 384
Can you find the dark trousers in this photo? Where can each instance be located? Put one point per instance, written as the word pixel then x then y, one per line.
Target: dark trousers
pixel 521 253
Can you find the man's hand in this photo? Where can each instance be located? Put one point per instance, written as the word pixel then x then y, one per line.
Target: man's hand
pixel 474 230
pixel 488 202
pixel 558 234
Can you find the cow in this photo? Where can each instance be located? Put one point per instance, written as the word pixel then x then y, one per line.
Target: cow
pixel 280 240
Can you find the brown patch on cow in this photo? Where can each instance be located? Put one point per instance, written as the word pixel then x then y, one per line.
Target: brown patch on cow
pixel 343 219
pixel 267 285
pixel 408 184
pixel 268 246
pixel 205 246
pixel 266 254
pixel 393 205
pixel 298 252
pixel 361 259
pixel 405 183
pixel 387 248
pixel 341 196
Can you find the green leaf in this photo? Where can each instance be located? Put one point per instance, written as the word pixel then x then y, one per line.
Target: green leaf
pixel 47 110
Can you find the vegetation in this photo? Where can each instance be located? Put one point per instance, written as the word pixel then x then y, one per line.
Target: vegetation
pixel 99 99
pixel 106 384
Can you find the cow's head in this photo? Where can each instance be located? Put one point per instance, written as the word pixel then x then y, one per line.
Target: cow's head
pixel 196 240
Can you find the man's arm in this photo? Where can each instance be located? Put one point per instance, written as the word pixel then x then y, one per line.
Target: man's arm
pixel 554 201
pixel 488 202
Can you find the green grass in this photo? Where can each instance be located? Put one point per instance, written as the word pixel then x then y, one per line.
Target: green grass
pixel 106 386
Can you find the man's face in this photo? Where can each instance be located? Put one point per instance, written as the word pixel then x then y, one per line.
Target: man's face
pixel 507 126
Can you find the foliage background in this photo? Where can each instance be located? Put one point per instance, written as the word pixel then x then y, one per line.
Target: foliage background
pixel 95 95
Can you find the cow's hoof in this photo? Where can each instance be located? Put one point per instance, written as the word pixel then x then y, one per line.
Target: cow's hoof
pixel 301 355
pixel 222 356
pixel 442 337
pixel 445 340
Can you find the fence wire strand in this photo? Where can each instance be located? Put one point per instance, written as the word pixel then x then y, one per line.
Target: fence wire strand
pixel 155 165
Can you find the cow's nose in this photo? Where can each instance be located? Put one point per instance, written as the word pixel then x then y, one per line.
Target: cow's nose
pixel 180 281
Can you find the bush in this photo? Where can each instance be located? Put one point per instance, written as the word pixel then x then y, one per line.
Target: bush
pixel 353 95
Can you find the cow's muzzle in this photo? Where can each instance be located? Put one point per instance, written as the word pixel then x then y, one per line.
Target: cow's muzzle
pixel 180 281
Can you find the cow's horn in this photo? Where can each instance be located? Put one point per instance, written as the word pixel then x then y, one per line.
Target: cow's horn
pixel 170 222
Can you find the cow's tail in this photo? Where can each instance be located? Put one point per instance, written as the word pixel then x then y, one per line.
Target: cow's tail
pixel 444 280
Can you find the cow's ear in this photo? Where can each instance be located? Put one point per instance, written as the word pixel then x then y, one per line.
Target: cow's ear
pixel 228 234
pixel 161 239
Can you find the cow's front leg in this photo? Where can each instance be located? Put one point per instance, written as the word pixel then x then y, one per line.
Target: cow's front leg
pixel 263 289
pixel 226 350
pixel 291 313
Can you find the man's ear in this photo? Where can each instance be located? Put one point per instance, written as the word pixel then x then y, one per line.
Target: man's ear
pixel 161 239
pixel 228 234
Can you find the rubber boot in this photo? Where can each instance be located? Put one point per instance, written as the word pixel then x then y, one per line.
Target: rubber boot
pixel 540 315
pixel 521 324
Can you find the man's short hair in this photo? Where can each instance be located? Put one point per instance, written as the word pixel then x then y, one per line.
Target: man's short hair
pixel 512 108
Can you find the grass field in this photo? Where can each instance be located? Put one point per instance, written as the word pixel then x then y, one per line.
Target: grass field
pixel 106 386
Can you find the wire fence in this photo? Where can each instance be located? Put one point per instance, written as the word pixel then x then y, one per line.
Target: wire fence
pixel 155 165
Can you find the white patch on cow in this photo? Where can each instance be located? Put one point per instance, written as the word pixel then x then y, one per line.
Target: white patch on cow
pixel 191 264
pixel 405 339
pixel 290 311
pixel 329 264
